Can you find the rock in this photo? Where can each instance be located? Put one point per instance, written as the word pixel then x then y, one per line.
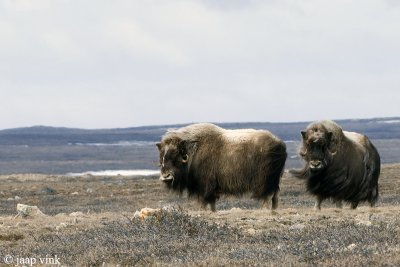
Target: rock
pixel 377 218
pixel 75 193
pixel 46 191
pixel 17 198
pixel 25 210
pixel 89 190
pixel 77 214
pixel 235 209
pixel 366 223
pixel 251 231
pixel 297 226
pixel 146 213
pixel 351 247
pixel 168 208
pixel 61 226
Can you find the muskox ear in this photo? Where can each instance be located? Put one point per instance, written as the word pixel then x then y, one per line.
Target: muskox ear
pixel 185 158
pixel 158 146
pixel 303 134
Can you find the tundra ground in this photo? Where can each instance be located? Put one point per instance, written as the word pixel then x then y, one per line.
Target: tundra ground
pixel 90 221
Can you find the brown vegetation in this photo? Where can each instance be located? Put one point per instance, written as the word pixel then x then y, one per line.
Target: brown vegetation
pixel 91 221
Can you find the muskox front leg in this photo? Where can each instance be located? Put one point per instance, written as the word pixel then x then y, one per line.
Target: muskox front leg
pixel 338 204
pixel 204 205
pixel 318 202
pixel 354 205
pixel 212 206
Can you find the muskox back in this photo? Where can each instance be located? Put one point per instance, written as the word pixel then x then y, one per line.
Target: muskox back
pixel 338 164
pixel 219 161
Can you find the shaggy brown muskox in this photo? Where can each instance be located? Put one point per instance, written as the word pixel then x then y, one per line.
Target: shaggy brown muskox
pixel 339 165
pixel 207 161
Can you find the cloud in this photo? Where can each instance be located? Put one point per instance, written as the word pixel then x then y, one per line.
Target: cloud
pixel 149 62
pixel 127 35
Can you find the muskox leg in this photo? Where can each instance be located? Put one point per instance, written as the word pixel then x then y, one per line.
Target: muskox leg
pixel 212 206
pixel 275 200
pixel 338 204
pixel 354 205
pixel 374 197
pixel 265 203
pixel 207 202
pixel 318 202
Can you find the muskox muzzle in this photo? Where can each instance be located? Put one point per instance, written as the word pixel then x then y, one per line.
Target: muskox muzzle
pixel 316 165
pixel 167 177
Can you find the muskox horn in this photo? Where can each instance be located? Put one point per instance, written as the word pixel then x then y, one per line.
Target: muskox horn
pixel 303 153
pixel 185 158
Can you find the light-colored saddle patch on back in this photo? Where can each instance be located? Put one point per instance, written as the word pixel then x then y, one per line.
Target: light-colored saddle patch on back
pixel 241 135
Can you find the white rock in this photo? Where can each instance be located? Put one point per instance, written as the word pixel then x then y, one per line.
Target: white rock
pixel 351 246
pixel 146 213
pixel 26 210
pixel 297 226
pixel 251 231
pixel 168 208
pixel 77 214
pixel 236 209
pixel 366 223
pixel 61 226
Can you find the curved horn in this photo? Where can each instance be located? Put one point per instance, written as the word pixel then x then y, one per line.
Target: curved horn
pixel 303 152
pixel 185 158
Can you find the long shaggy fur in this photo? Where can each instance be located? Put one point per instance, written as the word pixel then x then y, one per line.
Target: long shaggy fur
pixel 352 166
pixel 219 161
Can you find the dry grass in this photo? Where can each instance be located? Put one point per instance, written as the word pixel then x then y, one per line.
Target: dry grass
pixel 105 231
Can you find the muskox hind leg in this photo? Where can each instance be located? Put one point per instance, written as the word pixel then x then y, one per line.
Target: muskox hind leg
pixel 374 197
pixel 275 200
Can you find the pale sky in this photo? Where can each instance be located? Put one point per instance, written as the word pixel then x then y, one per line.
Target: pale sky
pixel 106 64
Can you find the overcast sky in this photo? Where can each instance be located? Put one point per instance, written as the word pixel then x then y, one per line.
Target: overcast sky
pixel 104 64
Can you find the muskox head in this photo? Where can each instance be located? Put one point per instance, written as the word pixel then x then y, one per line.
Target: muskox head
pixel 316 148
pixel 174 160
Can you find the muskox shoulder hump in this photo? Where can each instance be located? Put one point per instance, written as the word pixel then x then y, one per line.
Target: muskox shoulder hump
pixel 355 137
pixel 193 132
pixel 242 135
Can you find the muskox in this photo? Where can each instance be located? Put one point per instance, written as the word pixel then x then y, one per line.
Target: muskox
pixel 208 161
pixel 340 165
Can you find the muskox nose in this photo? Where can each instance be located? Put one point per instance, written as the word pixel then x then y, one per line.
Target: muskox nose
pixel 315 164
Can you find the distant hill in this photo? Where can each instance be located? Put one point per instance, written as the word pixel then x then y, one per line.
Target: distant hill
pixel 377 128
pixel 57 150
